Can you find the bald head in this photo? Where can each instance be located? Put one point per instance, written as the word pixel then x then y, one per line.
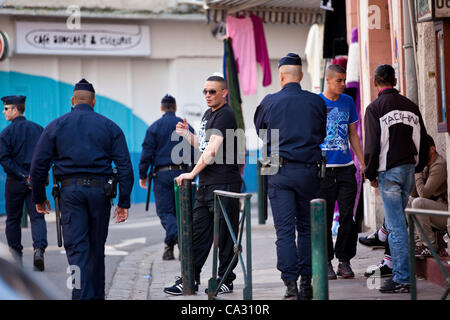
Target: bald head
pixel 290 73
pixel 83 97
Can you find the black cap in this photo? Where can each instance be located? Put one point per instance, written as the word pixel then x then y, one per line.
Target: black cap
pixel 14 99
pixel 168 99
pixel 83 84
pixel 290 59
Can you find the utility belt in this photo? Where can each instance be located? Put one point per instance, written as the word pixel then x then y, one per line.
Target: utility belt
pixel 109 183
pixel 82 181
pixel 171 168
pixel 321 164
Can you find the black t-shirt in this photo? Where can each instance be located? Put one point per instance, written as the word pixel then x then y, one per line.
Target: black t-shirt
pixel 224 168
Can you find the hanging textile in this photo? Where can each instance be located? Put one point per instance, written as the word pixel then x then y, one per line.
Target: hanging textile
pixel 230 74
pixel 234 93
pixel 240 30
pixel 335 33
pixel 353 89
pixel 314 53
pixel 262 55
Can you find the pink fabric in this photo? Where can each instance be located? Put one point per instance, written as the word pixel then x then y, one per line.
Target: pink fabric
pixel 262 55
pixel 243 43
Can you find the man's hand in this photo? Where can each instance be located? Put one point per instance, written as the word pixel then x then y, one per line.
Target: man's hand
pixel 184 176
pixel 374 183
pixel 143 183
pixel 182 128
pixel 28 182
pixel 41 207
pixel 121 214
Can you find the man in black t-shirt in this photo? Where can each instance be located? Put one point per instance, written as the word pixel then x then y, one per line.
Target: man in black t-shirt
pixel 218 170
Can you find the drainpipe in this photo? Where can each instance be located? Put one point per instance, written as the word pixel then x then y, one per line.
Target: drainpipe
pixel 410 46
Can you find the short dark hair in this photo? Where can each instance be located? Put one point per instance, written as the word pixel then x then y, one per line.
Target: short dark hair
pixel 385 75
pixel 335 68
pixel 168 106
pixel 218 79
pixel 20 107
pixel 430 141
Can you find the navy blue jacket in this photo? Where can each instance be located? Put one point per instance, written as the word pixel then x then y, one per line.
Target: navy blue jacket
pixel 82 142
pixel 300 116
pixel 158 145
pixel 17 142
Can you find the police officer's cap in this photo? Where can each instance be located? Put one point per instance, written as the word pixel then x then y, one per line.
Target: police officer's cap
pixel 14 99
pixel 83 84
pixel 290 59
pixel 168 99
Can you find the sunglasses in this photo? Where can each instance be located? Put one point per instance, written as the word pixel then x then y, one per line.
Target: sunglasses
pixel 211 92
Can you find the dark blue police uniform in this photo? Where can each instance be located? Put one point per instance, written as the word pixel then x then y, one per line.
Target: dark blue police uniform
pixel 157 152
pixel 82 144
pixel 17 142
pixel 300 117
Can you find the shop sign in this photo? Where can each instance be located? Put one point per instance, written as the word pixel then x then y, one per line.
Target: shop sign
pixel 428 10
pixel 90 39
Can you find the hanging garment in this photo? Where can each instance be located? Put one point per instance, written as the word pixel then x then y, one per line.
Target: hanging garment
pixel 353 89
pixel 234 92
pixel 262 55
pixel 314 53
pixel 240 30
pixel 231 77
pixel 335 33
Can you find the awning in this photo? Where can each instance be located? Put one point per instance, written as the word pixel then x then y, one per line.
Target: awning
pixel 270 11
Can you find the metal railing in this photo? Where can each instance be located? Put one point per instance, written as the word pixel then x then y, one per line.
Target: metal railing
pixel 213 286
pixel 412 222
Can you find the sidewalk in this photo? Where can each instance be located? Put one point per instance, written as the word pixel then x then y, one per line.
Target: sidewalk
pixel 267 284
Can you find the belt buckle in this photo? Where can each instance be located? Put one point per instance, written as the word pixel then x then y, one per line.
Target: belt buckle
pixel 86 182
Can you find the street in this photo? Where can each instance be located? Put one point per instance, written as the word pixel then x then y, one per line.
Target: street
pixel 142 229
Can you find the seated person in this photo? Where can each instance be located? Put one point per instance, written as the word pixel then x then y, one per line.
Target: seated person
pixel 430 193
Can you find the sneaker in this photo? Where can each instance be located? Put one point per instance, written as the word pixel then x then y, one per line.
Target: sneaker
pixel 372 241
pixel 331 273
pixel 224 288
pixel 422 251
pixel 345 270
pixel 390 286
pixel 168 253
pixel 382 270
pixel 177 288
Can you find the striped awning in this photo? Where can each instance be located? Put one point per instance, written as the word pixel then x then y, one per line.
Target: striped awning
pixel 270 11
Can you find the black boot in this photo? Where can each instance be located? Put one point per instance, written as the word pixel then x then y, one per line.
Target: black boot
pixel 291 290
pixel 38 259
pixel 306 290
pixel 168 253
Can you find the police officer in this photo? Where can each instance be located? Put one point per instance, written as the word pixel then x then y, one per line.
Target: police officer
pixel 82 144
pixel 17 142
pixel 298 117
pixel 157 152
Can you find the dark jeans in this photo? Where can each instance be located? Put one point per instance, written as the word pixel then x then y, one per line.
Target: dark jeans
pixel 203 228
pixel 340 185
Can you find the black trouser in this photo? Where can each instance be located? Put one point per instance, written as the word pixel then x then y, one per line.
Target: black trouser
pixel 340 185
pixel 203 227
